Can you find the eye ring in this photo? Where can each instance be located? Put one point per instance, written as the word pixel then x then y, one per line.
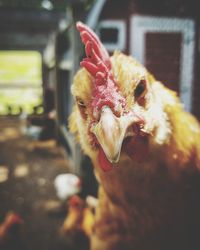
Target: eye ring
pixel 82 107
pixel 80 103
pixel 140 89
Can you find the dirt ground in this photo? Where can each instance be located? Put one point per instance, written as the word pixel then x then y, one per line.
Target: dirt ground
pixel 27 171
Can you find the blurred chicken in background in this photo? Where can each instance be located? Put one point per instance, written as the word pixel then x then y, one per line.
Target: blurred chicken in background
pixel 80 217
pixel 66 185
pixel 78 224
pixel 11 232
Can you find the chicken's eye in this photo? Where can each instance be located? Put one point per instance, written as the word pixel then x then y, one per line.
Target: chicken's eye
pixel 140 90
pixel 80 103
pixel 82 107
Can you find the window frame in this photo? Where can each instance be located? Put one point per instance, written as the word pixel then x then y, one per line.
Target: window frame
pixel 120 25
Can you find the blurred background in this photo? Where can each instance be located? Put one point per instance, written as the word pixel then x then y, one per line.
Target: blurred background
pixel 41 166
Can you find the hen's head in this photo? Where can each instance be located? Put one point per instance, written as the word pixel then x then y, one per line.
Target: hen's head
pixel 115 107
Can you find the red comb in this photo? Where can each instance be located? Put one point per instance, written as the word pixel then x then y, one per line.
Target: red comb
pixel 98 60
pixel 98 64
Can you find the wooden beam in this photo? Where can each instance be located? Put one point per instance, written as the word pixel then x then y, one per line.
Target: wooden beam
pixel 23 41
pixel 29 18
pixel 19 85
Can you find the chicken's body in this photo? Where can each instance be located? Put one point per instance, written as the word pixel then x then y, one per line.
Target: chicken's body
pixel 149 200
pixel 150 206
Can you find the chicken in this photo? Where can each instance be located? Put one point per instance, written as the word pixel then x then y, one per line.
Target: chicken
pixel 66 185
pixel 10 232
pixel 80 217
pixel 78 224
pixel 145 150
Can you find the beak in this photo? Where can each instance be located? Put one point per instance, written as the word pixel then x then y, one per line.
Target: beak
pixel 110 132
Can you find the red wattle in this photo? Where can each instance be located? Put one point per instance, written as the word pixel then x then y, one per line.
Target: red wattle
pixel 104 163
pixel 137 148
